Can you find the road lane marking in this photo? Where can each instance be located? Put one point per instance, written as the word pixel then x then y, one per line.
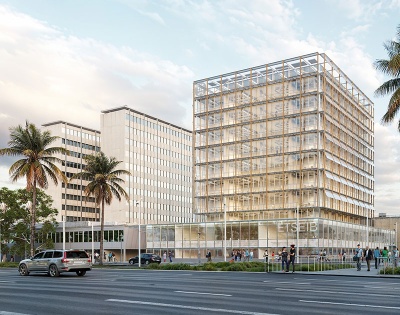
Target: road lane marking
pixel 11 313
pixel 202 293
pixel 198 308
pixel 351 304
pixel 350 281
pixel 279 282
pixel 337 292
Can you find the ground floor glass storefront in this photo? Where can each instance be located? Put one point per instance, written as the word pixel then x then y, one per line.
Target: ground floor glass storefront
pixel 313 235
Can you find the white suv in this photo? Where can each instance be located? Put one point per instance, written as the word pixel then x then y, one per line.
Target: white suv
pixel 53 262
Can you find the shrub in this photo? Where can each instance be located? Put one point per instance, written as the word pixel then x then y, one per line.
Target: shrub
pixel 181 266
pixel 390 271
pixel 209 267
pixel 154 266
pixel 235 267
pixel 9 264
pixel 222 264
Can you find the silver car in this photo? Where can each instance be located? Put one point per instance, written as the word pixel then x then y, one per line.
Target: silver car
pixel 54 262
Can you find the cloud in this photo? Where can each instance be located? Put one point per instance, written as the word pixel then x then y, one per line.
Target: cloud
pixel 360 10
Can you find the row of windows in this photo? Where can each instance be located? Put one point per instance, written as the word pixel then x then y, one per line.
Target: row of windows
pixel 186 155
pixel 159 127
pixel 73 186
pixel 86 236
pixel 81 145
pixel 77 197
pixel 159 162
pixel 73 165
pixel 80 209
pixel 77 133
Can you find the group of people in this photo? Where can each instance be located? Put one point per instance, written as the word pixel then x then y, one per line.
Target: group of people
pixel 238 254
pixel 288 258
pixel 378 255
pixel 169 256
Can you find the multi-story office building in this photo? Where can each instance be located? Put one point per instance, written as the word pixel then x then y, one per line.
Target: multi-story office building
pixel 69 198
pixel 284 153
pixel 158 155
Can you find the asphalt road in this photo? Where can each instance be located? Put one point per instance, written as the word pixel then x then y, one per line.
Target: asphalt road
pixel 181 292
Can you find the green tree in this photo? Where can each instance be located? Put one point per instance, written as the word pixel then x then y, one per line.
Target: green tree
pixel 391 68
pixel 104 183
pixel 37 166
pixel 16 218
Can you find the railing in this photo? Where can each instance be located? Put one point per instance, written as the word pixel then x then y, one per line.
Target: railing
pixel 388 265
pixel 310 263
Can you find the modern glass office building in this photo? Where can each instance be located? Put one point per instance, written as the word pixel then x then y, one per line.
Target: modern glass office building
pixel 284 153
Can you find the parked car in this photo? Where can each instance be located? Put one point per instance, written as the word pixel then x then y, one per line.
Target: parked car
pixel 54 262
pixel 145 259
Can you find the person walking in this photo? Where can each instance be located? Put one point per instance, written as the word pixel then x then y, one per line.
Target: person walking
pixel 292 257
pixel 358 255
pixel 164 256
pixel 377 255
pixel 368 257
pixel 284 256
pixel 170 256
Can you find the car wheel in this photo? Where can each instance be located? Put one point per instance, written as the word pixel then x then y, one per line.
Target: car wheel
pixel 23 270
pixel 53 271
pixel 147 262
pixel 81 273
pixel 131 262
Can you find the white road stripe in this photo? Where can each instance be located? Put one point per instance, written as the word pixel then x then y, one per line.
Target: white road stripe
pixel 337 292
pixel 350 304
pixel 279 282
pixel 207 309
pixel 350 281
pixel 10 313
pixel 202 293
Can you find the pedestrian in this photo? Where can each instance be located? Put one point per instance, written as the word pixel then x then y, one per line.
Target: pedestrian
pixel 344 256
pixel 292 256
pixel 208 256
pixel 251 255
pixel 96 256
pixel 273 256
pixel 395 256
pixel 358 256
pixel 12 258
pixel 113 257
pixel 368 257
pixel 109 256
pixel 164 256
pixel 170 256
pixel 377 255
pixel 246 255
pixel 284 256
pixel 266 255
pixel 384 256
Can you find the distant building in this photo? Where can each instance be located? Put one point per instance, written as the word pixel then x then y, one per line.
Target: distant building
pixel 158 154
pixel 389 222
pixel 69 199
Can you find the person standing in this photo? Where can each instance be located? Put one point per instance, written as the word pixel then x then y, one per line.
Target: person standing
pixel 358 255
pixel 385 256
pixel 292 257
pixel 266 255
pixel 251 255
pixel 368 257
pixel 208 256
pixel 395 256
pixel 377 255
pixel 284 256
pixel 164 256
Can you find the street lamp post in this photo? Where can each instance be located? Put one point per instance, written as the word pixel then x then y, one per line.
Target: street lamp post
pixel 367 231
pixel 139 249
pixel 297 233
pixel 63 231
pixel 1 254
pixel 224 230
pixel 198 246
pixel 396 234
pixel 121 238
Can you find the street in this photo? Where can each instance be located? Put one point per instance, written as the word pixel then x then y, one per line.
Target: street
pixel 106 291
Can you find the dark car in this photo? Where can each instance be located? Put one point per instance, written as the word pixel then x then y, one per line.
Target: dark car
pixel 146 258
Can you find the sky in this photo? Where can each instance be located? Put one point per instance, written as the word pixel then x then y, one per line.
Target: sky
pixel 69 60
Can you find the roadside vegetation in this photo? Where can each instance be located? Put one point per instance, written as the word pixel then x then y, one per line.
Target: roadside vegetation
pixel 390 271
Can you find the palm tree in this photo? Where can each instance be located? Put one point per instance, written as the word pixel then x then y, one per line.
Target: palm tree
pixel 36 166
pixel 391 67
pixel 103 184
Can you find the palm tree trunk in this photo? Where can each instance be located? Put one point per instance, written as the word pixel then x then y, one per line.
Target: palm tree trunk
pixel 102 232
pixel 33 218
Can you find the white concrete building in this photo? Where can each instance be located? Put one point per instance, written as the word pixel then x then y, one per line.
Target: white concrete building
pixel 158 155
pixel 69 198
